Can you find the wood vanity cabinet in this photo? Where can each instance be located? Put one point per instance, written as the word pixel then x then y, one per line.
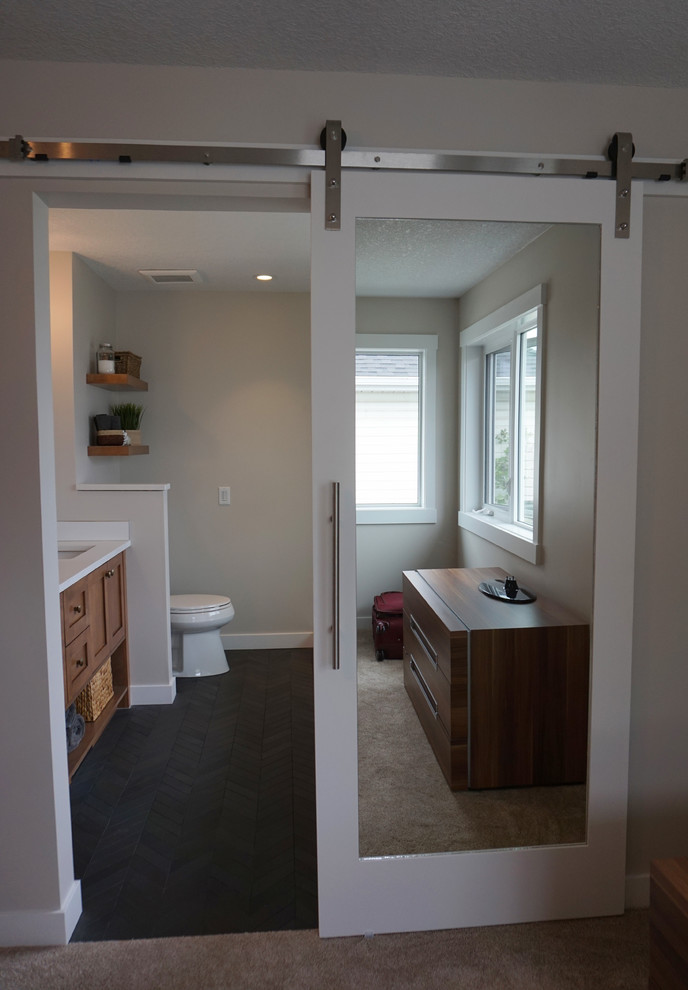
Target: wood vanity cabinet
pixel 94 628
pixel 500 689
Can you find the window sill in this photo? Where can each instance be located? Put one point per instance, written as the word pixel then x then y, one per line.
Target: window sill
pixel 395 517
pixel 502 535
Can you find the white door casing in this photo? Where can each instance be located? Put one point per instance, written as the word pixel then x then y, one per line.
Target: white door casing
pixel 460 889
pixel 437 891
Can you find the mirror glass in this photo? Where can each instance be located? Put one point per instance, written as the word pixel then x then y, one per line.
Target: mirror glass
pixel 419 279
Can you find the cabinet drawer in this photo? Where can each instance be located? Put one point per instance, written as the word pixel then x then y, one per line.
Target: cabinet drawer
pixel 79 666
pixel 416 653
pixel 441 656
pixel 75 610
pixel 431 636
pixel 451 756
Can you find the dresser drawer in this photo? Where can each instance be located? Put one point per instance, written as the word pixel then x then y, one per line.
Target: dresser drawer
pixel 431 638
pixel 439 687
pixel 451 756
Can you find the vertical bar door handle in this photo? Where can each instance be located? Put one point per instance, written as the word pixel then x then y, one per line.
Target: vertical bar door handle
pixel 335 575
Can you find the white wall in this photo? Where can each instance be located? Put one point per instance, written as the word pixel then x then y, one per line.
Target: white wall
pixel 566 259
pixel 229 404
pixel 383 552
pixel 44 100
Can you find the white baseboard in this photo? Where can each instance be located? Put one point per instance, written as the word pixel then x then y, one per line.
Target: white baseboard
pixel 42 927
pixel 267 641
pixel 153 694
pixel 638 890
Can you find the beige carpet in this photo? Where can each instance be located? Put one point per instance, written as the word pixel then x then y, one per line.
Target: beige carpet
pixel 594 954
pixel 405 804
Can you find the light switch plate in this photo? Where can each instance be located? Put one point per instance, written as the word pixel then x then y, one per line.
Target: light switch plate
pixel 223 496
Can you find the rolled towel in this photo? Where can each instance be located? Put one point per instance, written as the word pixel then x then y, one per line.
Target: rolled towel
pixel 75 732
pixel 70 715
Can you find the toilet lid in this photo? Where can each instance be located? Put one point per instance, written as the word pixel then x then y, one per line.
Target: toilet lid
pixel 197 603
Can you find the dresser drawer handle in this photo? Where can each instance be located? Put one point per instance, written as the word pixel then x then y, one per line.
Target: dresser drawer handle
pixel 77 609
pixel 425 643
pixel 427 693
pixel 109 574
pixel 81 662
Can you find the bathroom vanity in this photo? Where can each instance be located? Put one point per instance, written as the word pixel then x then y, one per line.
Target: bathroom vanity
pixel 500 688
pixel 94 628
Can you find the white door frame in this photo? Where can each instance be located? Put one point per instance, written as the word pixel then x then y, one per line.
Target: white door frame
pixel 436 891
pixel 42 902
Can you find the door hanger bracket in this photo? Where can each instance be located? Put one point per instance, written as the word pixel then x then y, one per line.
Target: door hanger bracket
pixel 621 151
pixel 333 141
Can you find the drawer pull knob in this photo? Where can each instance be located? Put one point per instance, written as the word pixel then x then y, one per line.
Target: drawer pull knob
pixel 109 574
pixel 77 609
pixel 81 662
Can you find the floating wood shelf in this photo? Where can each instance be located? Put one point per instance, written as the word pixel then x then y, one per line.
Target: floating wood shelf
pixel 128 450
pixel 117 383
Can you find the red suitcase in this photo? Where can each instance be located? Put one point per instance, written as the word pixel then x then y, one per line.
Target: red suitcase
pixel 388 625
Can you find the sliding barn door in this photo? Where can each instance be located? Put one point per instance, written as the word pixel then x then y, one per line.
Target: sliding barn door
pixel 491 886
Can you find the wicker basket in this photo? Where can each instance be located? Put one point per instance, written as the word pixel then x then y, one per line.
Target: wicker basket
pixel 110 438
pixel 127 363
pixel 96 694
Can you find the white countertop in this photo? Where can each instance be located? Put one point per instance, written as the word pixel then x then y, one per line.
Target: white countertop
pixel 72 569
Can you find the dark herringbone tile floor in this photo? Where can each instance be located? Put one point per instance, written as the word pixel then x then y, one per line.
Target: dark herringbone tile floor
pixel 199 817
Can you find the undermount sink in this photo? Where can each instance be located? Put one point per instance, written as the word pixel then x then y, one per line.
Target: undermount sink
pixel 66 553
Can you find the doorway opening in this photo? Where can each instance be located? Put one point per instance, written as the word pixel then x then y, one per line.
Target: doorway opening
pixel 198 816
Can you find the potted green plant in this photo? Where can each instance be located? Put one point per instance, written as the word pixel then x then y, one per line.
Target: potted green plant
pixel 130 416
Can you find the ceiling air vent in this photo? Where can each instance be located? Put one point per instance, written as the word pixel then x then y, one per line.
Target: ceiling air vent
pixel 170 276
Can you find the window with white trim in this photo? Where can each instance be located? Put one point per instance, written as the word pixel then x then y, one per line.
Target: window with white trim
pixel 395 428
pixel 501 359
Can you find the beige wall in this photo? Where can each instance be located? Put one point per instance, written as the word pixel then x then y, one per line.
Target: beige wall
pixel 383 552
pixel 566 259
pixel 229 404
pixel 82 315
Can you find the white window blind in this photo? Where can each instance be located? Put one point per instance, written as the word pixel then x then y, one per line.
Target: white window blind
pixel 395 428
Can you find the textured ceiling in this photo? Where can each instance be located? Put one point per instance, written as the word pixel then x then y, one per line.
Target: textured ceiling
pixel 629 42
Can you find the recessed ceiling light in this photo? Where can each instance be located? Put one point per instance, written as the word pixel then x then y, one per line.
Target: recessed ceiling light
pixel 264 278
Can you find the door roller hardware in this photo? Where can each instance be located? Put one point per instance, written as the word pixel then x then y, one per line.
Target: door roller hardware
pixel 621 151
pixel 333 141
pixel 331 155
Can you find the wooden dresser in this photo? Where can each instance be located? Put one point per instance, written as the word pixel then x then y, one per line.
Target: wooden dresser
pixel 501 689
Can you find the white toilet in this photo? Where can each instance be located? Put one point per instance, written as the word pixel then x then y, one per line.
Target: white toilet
pixel 196 621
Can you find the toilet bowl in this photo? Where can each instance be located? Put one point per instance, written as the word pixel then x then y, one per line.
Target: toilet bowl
pixel 196 621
